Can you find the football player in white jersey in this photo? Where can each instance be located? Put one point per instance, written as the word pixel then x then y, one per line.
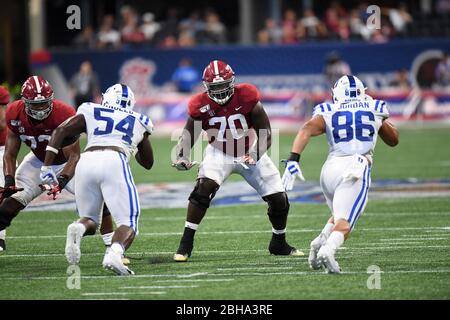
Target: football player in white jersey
pixel 352 124
pixel 115 133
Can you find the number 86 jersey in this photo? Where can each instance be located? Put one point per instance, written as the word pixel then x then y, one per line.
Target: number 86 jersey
pixel 352 127
pixel 114 126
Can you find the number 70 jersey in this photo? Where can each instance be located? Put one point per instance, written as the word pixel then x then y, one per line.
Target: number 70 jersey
pixel 352 128
pixel 114 126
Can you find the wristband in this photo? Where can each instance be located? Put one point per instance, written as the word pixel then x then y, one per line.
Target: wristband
pixel 63 180
pixel 294 157
pixel 9 181
pixel 50 148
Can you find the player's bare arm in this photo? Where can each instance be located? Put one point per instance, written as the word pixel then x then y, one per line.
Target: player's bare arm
pixel 72 154
pixel 144 155
pixel 389 133
pixel 261 124
pixel 12 147
pixel 312 128
pixel 69 128
pixel 185 143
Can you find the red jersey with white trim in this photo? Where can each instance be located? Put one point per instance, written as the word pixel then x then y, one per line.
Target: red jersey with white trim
pixel 228 126
pixel 36 134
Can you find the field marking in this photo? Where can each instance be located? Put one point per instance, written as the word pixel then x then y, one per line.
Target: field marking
pixel 268 231
pixel 122 293
pixel 159 287
pixel 255 268
pixel 313 273
pixel 256 216
pixel 412 239
pixel 195 280
pixel 373 246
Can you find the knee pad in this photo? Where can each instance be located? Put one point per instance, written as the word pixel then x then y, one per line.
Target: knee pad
pixel 278 204
pixel 204 191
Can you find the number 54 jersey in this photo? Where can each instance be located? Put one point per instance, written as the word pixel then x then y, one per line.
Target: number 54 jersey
pixel 114 126
pixel 352 128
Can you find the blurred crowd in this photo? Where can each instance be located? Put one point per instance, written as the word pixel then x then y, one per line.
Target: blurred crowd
pixel 134 29
pixel 337 23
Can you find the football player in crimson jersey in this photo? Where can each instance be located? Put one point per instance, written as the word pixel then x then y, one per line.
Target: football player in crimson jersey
pixel 4 100
pixel 239 135
pixel 31 120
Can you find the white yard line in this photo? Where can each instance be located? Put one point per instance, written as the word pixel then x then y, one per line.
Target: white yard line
pixel 122 293
pixel 372 246
pixel 255 216
pixel 311 273
pixel 255 268
pixel 195 280
pixel 158 287
pixel 412 239
pixel 268 231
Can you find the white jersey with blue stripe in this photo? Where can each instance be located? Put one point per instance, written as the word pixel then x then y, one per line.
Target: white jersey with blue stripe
pixel 352 127
pixel 114 126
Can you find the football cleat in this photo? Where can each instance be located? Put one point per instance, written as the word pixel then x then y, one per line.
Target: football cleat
pixel 315 246
pixel 113 261
pixel 184 252
pixel 126 261
pixel 282 248
pixel 73 252
pixel 325 257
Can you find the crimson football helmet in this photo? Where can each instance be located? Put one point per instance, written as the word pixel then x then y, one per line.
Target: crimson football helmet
pixel 218 79
pixel 37 94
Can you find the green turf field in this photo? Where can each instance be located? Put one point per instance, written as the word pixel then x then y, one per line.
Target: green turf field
pixel 408 239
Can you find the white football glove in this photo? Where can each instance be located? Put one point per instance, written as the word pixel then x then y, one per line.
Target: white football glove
pixel 292 171
pixel 48 176
pixel 183 164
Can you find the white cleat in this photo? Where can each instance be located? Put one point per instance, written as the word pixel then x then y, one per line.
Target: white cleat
pixel 113 261
pixel 126 261
pixel 73 252
pixel 326 257
pixel 315 246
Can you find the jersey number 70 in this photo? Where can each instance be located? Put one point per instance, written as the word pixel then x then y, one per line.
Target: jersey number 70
pixel 125 126
pixel 358 131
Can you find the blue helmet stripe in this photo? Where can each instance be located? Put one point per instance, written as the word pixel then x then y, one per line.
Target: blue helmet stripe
pixel 123 102
pixel 352 81
pixel 352 86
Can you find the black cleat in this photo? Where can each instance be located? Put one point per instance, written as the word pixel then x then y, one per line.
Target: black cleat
pixel 2 245
pixel 280 247
pixel 184 252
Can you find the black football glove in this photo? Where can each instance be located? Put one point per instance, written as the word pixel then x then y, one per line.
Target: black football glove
pixel 9 189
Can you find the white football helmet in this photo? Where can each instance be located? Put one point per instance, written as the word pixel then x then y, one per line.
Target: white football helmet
pixel 119 95
pixel 348 88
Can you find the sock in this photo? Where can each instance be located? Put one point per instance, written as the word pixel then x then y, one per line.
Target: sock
pixel 117 247
pixel 107 238
pixel 3 234
pixel 283 231
pixel 335 240
pixel 326 231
